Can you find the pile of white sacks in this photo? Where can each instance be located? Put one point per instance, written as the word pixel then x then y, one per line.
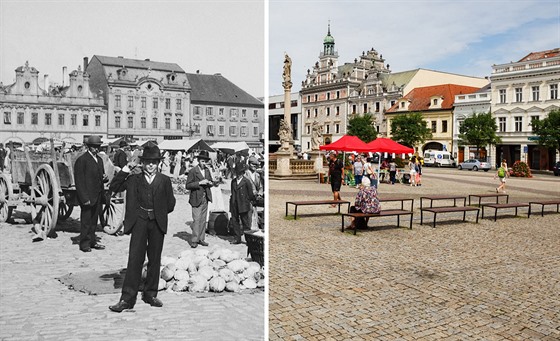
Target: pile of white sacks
pixel 203 270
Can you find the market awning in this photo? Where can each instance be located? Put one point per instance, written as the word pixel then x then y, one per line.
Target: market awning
pixel 347 143
pixel 231 147
pixel 186 145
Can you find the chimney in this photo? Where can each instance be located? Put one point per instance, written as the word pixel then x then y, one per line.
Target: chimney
pixel 64 75
pixel 46 77
pixel 86 62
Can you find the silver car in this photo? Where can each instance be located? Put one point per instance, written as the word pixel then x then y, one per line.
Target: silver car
pixel 474 164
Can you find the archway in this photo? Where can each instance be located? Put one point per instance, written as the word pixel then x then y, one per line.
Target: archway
pixel 432 146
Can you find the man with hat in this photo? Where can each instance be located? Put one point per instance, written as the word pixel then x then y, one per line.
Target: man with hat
pixel 121 159
pixel 89 175
pixel 149 200
pixel 240 207
pixel 199 183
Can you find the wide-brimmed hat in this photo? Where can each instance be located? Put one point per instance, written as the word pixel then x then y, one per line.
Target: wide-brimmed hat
pixel 203 155
pixel 94 140
pixel 253 160
pixel 151 152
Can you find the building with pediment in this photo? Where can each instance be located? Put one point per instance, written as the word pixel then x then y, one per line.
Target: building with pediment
pixel 522 92
pixel 33 114
pixel 146 100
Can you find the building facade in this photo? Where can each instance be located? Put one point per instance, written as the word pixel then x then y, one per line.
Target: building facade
pixel 522 92
pixel 68 112
pixel 276 113
pixel 145 100
pixel 223 112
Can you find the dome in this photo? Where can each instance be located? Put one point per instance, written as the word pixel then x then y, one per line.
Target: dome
pixel 328 39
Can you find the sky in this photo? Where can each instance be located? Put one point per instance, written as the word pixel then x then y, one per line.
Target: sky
pixel 457 36
pixel 226 36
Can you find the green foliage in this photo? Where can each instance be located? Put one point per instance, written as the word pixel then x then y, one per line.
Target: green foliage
pixel 410 129
pixel 400 162
pixel 520 169
pixel 548 130
pixel 362 127
pixel 479 130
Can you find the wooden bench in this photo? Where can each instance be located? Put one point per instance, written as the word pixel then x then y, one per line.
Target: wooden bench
pixel 496 207
pixel 436 210
pixel 491 195
pixel 316 203
pixel 545 203
pixel 382 213
pixel 433 198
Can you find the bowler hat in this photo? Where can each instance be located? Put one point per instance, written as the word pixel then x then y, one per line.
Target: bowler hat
pixel 94 140
pixel 151 152
pixel 123 143
pixel 203 154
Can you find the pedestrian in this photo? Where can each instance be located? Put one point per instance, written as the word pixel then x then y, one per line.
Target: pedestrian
pixel 392 171
pixel 502 173
pixel 178 162
pixel 358 169
pixel 258 191
pixel 199 183
pixel 149 200
pixel 366 202
pixel 418 169
pixel 89 175
pixel 240 207
pixel 120 158
pixel 335 174
pixel 412 171
pixel 369 172
pixel 2 157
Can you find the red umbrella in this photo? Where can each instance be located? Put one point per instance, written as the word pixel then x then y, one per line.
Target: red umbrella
pixel 384 145
pixel 347 143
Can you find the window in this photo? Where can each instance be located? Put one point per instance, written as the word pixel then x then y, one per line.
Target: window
pixel 233 113
pixel 434 126
pixel 518 123
pixel 179 104
pixel 48 119
pixel 154 122
pixel 328 96
pixel 130 101
pixel 60 119
pixel 221 113
pixel 307 129
pixel 117 121
pixel 535 91
pixel 402 105
pixel 197 111
pixel 255 131
pixel 143 102
pixel 501 124
pixel 168 104
pixel 337 110
pixel 354 109
pixel 221 130
pixel 85 120
pixel 210 130
pixel 243 113
pixel 435 101
pixel 444 126
pixel 518 95
pixel 143 122
pixel 337 128
pixel 255 114
pixel 308 98
pixel 155 103
pixel 7 117
pixel 308 113
pixel 533 119
pixel 34 118
pixel 243 131
pixel 178 124
pixel 338 94
pixel 393 102
pixel 315 112
pixel 98 120
pixel 73 119
pixel 20 118
pixel 328 111
pixel 502 96
pixel 117 101
pixel 553 91
pixel 209 111
pixel 377 105
pixel 328 128
pixel 365 108
pixel 316 97
pixel 232 130
pixel 168 123
pixel 130 122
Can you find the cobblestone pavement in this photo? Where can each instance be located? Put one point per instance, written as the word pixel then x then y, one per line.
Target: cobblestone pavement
pixel 34 305
pixel 458 281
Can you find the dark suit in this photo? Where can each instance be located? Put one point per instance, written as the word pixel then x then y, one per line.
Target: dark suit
pixel 88 175
pixel 198 198
pixel 120 159
pixel 147 208
pixel 240 205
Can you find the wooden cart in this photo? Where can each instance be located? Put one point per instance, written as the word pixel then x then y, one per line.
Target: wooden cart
pixel 50 191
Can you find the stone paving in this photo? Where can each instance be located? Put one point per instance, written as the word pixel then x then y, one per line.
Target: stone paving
pixel 34 305
pixel 458 281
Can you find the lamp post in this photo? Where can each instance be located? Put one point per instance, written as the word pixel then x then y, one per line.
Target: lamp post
pixel 189 129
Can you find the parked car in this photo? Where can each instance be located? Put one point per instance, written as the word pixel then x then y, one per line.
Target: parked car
pixel 556 168
pixel 474 164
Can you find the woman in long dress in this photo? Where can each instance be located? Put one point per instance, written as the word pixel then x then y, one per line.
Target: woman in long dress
pixel 178 163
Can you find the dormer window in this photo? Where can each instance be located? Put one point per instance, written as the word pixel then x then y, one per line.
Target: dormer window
pixel 435 101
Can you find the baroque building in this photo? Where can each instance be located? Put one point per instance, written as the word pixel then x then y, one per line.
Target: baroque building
pixel 223 112
pixel 68 112
pixel 522 92
pixel 145 100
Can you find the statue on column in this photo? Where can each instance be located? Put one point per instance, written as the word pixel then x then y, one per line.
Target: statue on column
pixel 285 134
pixel 287 74
pixel 316 135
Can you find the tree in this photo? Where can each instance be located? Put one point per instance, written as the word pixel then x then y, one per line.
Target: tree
pixel 479 130
pixel 548 130
pixel 362 127
pixel 410 129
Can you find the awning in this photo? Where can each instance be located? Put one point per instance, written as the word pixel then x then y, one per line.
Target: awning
pixel 231 147
pixel 186 145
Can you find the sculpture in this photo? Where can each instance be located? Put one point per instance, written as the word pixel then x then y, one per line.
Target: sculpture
pixel 316 135
pixel 285 134
pixel 287 74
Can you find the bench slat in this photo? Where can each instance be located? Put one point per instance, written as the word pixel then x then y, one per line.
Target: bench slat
pixel 382 213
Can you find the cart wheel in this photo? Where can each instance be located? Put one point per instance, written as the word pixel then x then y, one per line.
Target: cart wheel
pixel 112 215
pixel 46 200
pixel 6 192
pixel 64 211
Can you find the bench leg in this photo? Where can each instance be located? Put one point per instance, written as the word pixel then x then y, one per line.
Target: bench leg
pixel 435 215
pixel 516 211
pixel 482 212
pixel 477 212
pixel 529 212
pixel 342 228
pixel 495 214
pixel 399 221
pixel 286 209
pixel 421 216
pixel 410 227
pixel 295 212
pixel 464 215
pixel 339 208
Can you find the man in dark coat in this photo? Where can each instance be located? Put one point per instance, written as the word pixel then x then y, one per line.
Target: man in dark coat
pixel 121 159
pixel 149 200
pixel 240 207
pixel 2 157
pixel 199 183
pixel 89 176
